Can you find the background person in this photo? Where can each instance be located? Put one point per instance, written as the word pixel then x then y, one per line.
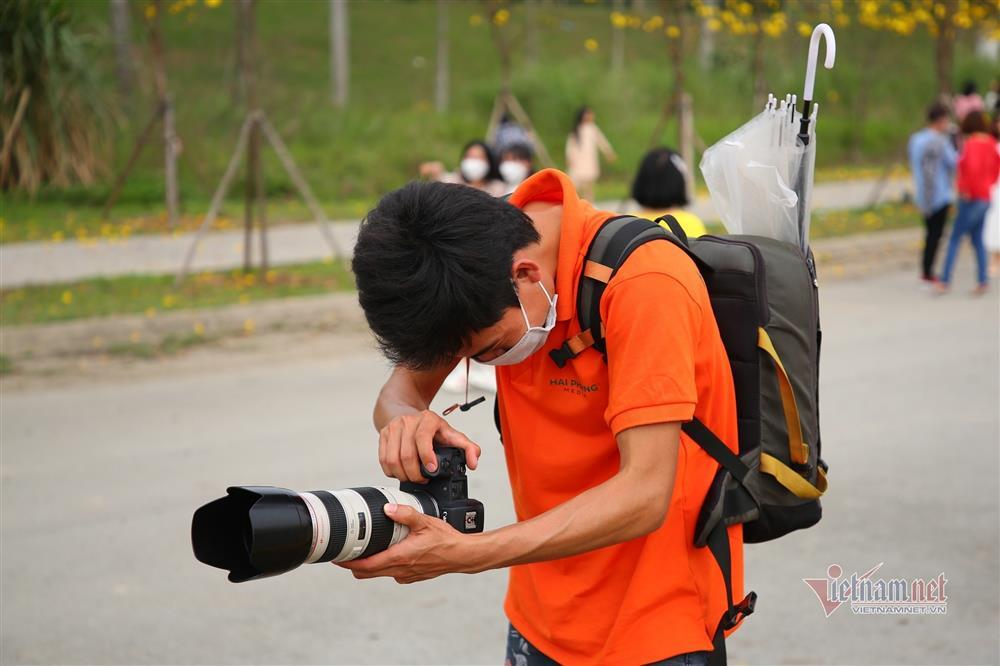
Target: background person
pixel 582 146
pixel 991 232
pixel 477 168
pixel 968 101
pixel 660 188
pixel 978 169
pixel 932 162
pixel 516 164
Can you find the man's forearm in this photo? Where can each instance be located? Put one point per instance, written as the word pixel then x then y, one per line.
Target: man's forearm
pixel 617 510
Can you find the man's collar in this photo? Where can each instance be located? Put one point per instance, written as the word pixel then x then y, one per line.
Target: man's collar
pixel 554 186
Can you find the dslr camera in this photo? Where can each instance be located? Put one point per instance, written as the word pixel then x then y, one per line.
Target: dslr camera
pixel 259 531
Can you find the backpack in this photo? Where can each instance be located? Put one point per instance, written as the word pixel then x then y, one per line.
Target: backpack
pixel 764 297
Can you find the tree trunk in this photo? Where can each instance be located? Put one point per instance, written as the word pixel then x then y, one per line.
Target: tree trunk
pixel 531 31
pixel 945 51
pixel 121 30
pixel 706 45
pixel 441 76
pixel 618 41
pixel 759 82
pixel 253 183
pixel 170 140
pixel 339 48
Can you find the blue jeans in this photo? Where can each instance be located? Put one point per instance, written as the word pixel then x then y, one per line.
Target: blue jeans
pixel 522 653
pixel 970 219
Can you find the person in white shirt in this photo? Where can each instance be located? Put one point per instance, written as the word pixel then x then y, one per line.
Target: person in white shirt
pixel 582 159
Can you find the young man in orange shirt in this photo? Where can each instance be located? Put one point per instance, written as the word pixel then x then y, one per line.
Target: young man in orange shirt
pixel 606 488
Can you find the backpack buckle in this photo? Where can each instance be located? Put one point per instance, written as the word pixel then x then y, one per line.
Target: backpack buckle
pixel 741 610
pixel 562 355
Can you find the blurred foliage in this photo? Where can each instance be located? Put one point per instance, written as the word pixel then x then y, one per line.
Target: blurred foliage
pixel 870 102
pixel 45 60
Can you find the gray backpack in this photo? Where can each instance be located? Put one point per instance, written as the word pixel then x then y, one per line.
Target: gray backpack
pixel 764 296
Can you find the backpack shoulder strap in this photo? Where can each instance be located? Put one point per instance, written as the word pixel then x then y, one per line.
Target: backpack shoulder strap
pixel 613 243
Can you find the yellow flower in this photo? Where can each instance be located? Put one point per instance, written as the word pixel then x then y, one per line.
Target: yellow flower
pixel 250 279
pixel 714 24
pixel 804 29
pixel 271 276
pixel 169 300
pixel 475 20
pixel 58 236
pixel 249 326
pixel 501 17
pixel 212 3
pixel 654 23
pixel 619 20
pixel 67 297
pixel 590 44
pixel 150 11
pixel 842 20
pixel 199 329
pixel 672 31
pixel 745 9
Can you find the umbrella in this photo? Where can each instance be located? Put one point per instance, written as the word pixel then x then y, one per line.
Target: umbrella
pixel 760 176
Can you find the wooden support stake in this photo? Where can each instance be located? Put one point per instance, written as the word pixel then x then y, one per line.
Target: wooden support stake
pixel 140 143
pixel 301 185
pixel 217 198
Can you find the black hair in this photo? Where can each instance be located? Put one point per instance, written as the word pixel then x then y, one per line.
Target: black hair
pixel 580 113
pixel 936 112
pixel 658 182
pixel 518 151
pixel 975 122
pixel 432 265
pixel 969 87
pixel 491 159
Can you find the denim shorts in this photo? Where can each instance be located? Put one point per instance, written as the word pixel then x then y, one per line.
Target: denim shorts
pixel 522 653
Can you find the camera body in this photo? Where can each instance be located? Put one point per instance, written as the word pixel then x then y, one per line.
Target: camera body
pixel 259 531
pixel 448 485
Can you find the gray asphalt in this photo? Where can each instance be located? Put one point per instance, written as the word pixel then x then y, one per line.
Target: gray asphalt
pixel 101 474
pixel 46 262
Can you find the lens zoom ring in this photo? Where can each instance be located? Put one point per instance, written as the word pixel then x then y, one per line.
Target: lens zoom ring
pixel 382 526
pixel 338 525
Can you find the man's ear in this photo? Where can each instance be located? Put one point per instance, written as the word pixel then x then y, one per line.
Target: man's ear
pixel 525 269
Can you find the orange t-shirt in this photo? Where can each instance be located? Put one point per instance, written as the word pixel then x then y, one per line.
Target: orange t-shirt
pixel 655 596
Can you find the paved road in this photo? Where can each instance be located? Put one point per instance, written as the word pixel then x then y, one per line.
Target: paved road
pixel 101 473
pixel 42 262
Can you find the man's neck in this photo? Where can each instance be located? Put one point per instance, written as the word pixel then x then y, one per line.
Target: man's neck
pixel 547 218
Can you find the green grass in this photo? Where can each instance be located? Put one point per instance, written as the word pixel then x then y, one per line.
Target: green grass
pixel 6 365
pixel 172 344
pixel 351 156
pixel 153 295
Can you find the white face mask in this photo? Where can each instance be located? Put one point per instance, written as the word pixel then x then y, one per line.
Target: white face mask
pixel 474 169
pixel 533 339
pixel 513 172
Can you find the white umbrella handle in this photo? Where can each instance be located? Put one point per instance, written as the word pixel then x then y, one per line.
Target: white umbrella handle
pixel 819 32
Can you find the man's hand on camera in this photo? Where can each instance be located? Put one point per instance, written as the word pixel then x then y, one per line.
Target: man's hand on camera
pixel 407 442
pixel 432 548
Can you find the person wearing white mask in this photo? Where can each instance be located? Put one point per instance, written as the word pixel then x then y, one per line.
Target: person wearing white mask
pixel 516 164
pixel 477 168
pixel 603 566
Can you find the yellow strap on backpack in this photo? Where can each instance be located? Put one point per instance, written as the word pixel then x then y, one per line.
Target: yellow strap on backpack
pixel 798 450
pixel 791 479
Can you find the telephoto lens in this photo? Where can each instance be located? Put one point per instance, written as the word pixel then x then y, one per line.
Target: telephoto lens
pixel 259 531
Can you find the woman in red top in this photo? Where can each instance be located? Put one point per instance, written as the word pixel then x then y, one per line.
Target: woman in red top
pixel 978 168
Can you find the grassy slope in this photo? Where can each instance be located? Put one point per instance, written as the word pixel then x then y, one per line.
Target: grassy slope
pixel 390 127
